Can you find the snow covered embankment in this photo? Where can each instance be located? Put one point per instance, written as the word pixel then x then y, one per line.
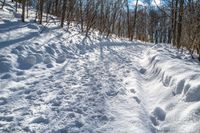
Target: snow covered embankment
pixel 172 83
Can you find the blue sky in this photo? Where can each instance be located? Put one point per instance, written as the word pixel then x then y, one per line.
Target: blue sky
pixel 132 2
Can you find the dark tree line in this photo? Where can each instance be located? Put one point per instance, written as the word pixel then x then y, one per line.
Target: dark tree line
pixel 173 21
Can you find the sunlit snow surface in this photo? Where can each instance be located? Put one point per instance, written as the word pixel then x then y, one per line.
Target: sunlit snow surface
pixel 53 80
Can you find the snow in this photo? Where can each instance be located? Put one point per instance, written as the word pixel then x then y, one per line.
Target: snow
pixel 60 81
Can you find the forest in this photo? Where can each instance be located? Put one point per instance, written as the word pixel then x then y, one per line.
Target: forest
pixel 173 21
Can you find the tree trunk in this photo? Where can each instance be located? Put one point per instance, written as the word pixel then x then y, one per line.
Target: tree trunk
pixel 179 30
pixel 23 10
pixel 128 19
pixel 56 7
pixel 3 3
pixel 63 12
pixel 134 21
pixel 175 23
pixel 41 11
pixel 36 13
pixel 16 6
pixel 81 14
pixel 27 4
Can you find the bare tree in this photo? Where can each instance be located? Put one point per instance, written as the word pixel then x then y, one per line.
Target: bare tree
pixel 23 10
pixel 134 21
pixel 63 12
pixel 41 5
pixel 180 18
pixel 3 3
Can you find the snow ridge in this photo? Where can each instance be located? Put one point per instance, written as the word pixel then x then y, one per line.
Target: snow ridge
pixel 174 79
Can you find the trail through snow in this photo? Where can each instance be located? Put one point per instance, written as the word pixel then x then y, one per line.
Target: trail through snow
pixel 58 81
pixel 98 92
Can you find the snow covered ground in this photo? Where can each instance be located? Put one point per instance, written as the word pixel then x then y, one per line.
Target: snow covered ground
pixel 57 81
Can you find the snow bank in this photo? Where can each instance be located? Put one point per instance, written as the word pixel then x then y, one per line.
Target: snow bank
pixel 166 64
pixel 173 87
pixel 27 55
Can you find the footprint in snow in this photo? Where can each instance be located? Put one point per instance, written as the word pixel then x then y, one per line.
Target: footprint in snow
pixel 55 102
pixel 30 97
pixel 6 76
pixel 127 71
pixel 71 127
pixel 20 73
pixel 6 118
pixel 112 93
pixel 125 74
pixel 28 91
pixel 158 114
pixel 154 121
pixel 40 120
pixel 137 99
pixel 142 70
pixel 3 100
pixel 132 91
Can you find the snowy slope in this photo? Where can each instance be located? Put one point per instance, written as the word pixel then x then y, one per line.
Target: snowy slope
pixel 53 80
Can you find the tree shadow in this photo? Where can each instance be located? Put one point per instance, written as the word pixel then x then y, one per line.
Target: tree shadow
pixel 12 25
pixel 21 39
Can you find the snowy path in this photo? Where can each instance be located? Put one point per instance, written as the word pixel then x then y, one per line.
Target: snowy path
pixel 99 92
pixel 53 84
pixel 58 81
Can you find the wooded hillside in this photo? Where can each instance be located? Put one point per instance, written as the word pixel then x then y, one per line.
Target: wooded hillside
pixel 174 21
